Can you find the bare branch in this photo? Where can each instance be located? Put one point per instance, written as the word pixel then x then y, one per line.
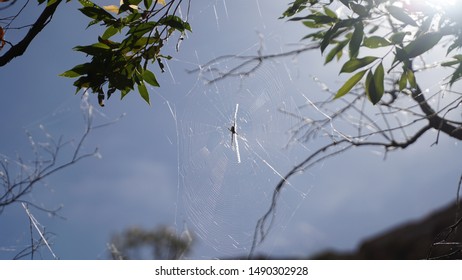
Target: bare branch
pixel 253 62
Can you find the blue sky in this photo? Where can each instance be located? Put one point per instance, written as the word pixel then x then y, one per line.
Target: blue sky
pixel 171 164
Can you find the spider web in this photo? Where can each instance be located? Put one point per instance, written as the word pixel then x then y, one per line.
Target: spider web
pixel 223 194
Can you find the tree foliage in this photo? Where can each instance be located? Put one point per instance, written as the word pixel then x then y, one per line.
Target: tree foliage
pixel 396 31
pixel 386 43
pixel 122 65
pixel 160 244
pixel 134 35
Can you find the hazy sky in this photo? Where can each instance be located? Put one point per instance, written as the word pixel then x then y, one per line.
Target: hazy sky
pixel 171 163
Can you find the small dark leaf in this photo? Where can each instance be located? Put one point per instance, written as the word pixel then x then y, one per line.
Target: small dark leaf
pixel 371 91
pixel 456 75
pixel 449 63
pixel 359 9
pixel 161 65
pixel 356 40
pixel 101 97
pixel 456 45
pixel 97 13
pixel 296 7
pixel 374 29
pixel 175 22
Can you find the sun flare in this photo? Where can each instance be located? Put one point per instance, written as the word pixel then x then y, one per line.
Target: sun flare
pixel 442 4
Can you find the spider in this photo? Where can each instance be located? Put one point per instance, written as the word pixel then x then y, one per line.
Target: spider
pixel 234 134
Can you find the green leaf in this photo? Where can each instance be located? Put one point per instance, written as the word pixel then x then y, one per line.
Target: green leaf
pixel 318 18
pixel 397 38
pixel 95 49
pixel 132 2
pixel 411 78
pixel 51 2
pixel 311 24
pixel 77 71
pixel 379 76
pixel 96 12
pixel 87 3
pixel 335 51
pixel 373 29
pixel 371 91
pixel 359 9
pixel 110 31
pixel 458 59
pixel 403 81
pixel 141 29
pixel 374 42
pixel 296 7
pixel 356 63
pixel 329 12
pixel 147 4
pixel 346 2
pixel 422 44
pixel 400 56
pixel 449 63
pixel 455 45
pixel 144 92
pixel 456 75
pixel 327 37
pixel 401 15
pixel 356 40
pixel 150 78
pixel 175 22
pixel 348 85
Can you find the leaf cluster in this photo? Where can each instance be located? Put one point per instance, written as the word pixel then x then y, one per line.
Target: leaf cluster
pixel 122 65
pixel 400 33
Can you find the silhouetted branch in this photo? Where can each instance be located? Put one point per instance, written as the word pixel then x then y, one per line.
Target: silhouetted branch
pixel 252 62
pixel 19 48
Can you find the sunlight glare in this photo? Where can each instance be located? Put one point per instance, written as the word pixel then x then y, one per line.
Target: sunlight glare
pixel 441 3
pixel 425 6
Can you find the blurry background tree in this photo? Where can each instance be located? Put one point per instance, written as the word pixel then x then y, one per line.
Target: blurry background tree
pixel 159 244
pixel 115 65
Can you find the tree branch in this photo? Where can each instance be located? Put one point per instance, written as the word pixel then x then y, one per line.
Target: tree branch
pixel 435 121
pixel 37 27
